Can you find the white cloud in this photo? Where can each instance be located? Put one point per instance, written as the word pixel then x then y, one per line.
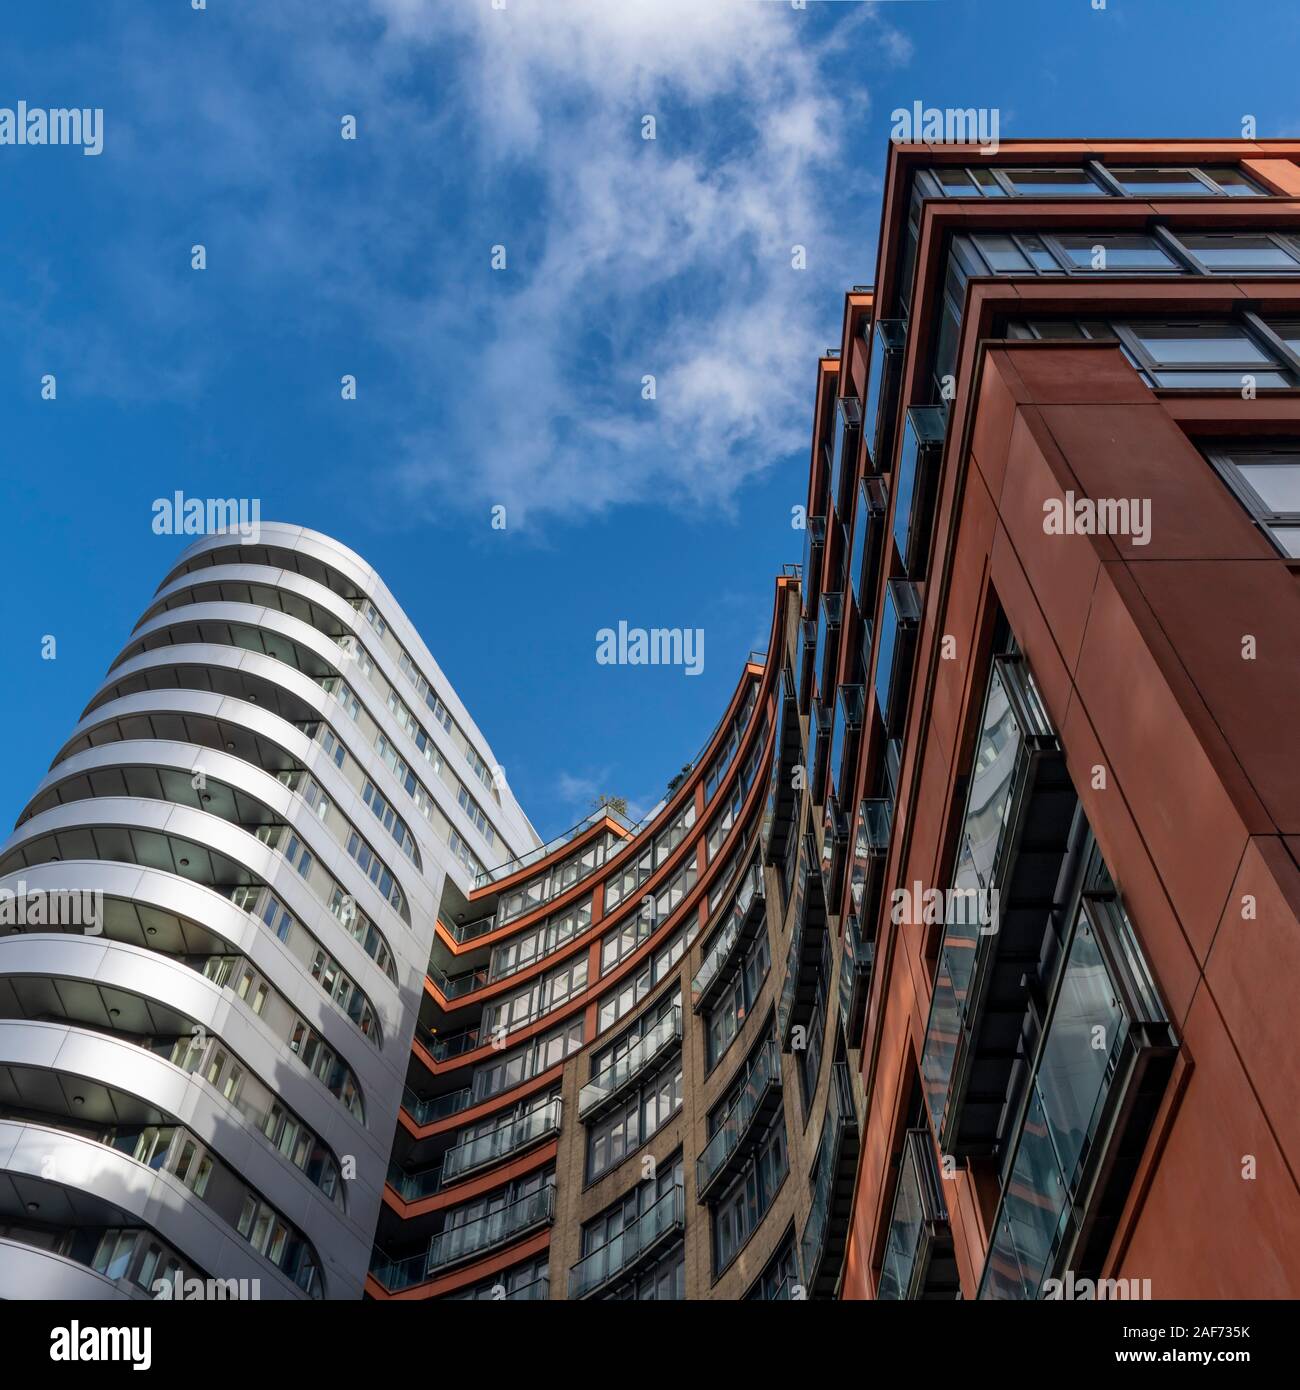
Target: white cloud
pixel 676 252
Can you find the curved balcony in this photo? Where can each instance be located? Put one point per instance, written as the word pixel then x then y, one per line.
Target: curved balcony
pixel 747 916
pixel 746 1122
pixel 604 1089
pixel 633 1247
pixel 513 1137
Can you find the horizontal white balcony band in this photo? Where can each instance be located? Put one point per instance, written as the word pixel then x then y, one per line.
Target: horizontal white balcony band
pixel 28 1273
pixel 156 1200
pixel 348 563
pixel 193 902
pixel 125 970
pixel 247 851
pixel 260 786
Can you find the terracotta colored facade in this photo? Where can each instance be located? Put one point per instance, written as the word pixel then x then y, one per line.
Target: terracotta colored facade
pixel 1169 671
pixel 1116 1097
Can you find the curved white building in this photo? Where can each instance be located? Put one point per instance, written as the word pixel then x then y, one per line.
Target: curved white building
pixel 216 913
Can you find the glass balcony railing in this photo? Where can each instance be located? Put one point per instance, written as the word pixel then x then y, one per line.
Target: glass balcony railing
pixel 914 486
pixel 814 546
pixel 825 1233
pixel 462 932
pixel 728 1143
pixel 723 948
pixel 411 1187
pixel 919 1222
pixel 457 986
pixel 648 1049
pixel 427 1112
pixel 462 1242
pixel 496 1228
pixel 883 380
pixel 540 852
pixel 621 1255
pixel 856 962
pixel 443 1046
pixel 520 1132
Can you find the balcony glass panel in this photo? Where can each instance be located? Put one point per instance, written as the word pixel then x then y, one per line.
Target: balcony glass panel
pixel 516 1133
pixel 496 1227
pixel 640 1055
pixel 763 1074
pixel 620 1253
pixel 828 628
pixel 886 357
pixel 988 805
pixel 1065 1101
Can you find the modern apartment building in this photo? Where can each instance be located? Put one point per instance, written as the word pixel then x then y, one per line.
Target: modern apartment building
pixel 218 913
pixel 959 963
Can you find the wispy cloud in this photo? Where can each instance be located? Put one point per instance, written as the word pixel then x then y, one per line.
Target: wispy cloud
pixel 627 258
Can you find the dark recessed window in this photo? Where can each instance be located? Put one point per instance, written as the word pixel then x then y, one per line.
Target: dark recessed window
pixel 1134 252
pixel 1267 481
pixel 1185 183
pixel 1260 251
pixel 1053 183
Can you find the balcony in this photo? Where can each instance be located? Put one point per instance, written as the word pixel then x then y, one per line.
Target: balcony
pixel 500 1227
pixel 868 544
pixel 746 917
pixel 636 1245
pixel 826 1231
pixel 918 1261
pixel 829 620
pixel 743 1125
pixel 465 1242
pixel 807 661
pixel 807 943
pixel 844 449
pixel 846 733
pixel 461 932
pixel 427 1112
pixel 835 844
pixel 453 987
pixel 884 380
pixel 870 851
pixel 1019 812
pixel 442 1047
pixel 814 548
pixel 819 772
pixel 604 1089
pixel 916 485
pixel 411 1187
pixel 514 1136
pixel 782 799
pixel 900 617
pixel 857 959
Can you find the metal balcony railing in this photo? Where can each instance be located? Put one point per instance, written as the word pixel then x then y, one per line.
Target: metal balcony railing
pixel 731 1142
pixel 516 1134
pixel 654 1228
pixel 648 1049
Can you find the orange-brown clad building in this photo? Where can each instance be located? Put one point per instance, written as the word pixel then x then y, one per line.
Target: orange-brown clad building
pixel 963 959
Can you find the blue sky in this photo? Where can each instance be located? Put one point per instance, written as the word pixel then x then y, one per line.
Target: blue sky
pixel 477 387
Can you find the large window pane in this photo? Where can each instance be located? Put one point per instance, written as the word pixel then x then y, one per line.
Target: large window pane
pixel 1238 251
pixel 1171 343
pixel 1117 252
pixel 1046 183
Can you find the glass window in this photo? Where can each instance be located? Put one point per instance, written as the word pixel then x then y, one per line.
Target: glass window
pixel 1053 183
pixel 1161 182
pixel 1268 482
pixel 1173 343
pixel 1239 251
pixel 1115 253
